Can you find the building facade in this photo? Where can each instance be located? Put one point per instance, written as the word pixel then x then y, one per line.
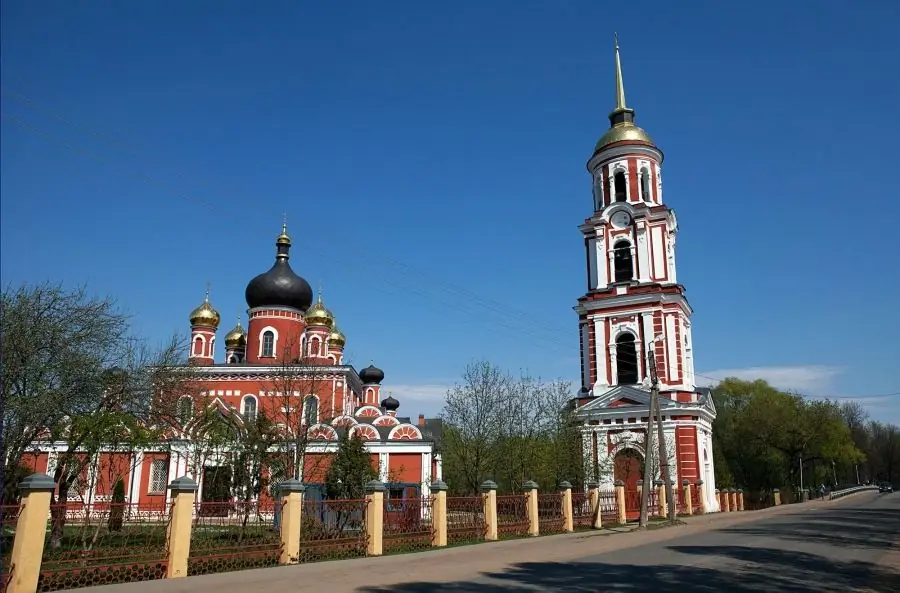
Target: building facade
pixel 634 305
pixel 287 365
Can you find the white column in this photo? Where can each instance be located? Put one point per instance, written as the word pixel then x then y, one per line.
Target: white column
pixel 426 474
pixel 439 467
pixel 134 483
pixel 643 253
pixel 601 349
pixel 671 351
pixel 600 258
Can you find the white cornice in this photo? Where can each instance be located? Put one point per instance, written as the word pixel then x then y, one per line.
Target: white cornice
pixel 635 300
pixel 604 156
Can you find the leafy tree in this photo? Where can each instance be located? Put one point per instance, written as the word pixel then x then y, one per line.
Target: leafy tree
pixel 117 506
pixel 350 471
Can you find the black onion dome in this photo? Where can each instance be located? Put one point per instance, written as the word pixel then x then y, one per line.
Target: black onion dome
pixel 371 374
pixel 390 404
pixel 280 286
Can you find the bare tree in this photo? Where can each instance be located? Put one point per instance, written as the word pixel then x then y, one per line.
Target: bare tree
pixel 472 414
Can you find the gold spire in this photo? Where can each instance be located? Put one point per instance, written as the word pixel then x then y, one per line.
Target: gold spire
pixel 237 337
pixel 205 315
pixel 318 314
pixel 283 238
pixel 621 119
pixel 620 85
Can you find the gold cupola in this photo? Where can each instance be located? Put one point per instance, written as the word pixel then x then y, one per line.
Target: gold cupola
pixel 319 315
pixel 621 118
pixel 336 339
pixel 205 315
pixel 236 338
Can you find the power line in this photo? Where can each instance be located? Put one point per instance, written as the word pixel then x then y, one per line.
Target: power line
pixel 459 305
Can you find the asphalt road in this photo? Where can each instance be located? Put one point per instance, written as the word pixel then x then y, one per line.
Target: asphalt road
pixel 842 546
pixel 848 545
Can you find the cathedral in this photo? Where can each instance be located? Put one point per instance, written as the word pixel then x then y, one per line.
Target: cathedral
pixel 288 365
pixel 634 305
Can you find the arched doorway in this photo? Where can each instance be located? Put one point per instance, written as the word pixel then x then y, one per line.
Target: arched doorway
pixel 629 467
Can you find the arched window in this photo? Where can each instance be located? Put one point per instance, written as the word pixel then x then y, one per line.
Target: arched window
pixel 598 193
pixel 233 359
pixel 311 410
pixel 626 360
pixel 198 346
pixel 620 188
pixel 315 347
pixel 185 409
pixel 624 267
pixel 249 410
pixel 645 185
pixel 268 343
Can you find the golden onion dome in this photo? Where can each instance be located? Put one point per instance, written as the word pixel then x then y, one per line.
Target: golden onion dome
pixel 337 339
pixel 283 238
pixel 205 315
pixel 319 315
pixel 237 337
pixel 621 133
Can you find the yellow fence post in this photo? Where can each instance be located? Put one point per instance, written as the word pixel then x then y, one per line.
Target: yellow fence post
pixel 701 508
pixel 178 536
pixel 686 499
pixel 439 514
pixel 531 506
pixel 31 529
pixel 291 492
pixel 777 494
pixel 593 492
pixel 621 515
pixel 661 497
pixel 568 521
pixel 375 518
pixel 740 499
pixel 489 492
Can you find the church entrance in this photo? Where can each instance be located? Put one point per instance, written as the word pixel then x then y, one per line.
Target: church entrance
pixel 216 494
pixel 629 468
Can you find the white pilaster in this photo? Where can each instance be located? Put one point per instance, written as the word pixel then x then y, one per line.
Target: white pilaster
pixel 603 377
pixel 384 466
pixel 134 483
pixel 671 350
pixel 643 253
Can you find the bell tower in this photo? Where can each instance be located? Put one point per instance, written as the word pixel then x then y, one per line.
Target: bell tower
pixel 633 301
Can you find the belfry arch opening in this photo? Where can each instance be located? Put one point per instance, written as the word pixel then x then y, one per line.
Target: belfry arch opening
pixel 622 263
pixel 645 185
pixel 619 186
pixel 626 360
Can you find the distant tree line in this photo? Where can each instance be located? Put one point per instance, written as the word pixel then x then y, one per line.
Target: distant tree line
pixel 763 436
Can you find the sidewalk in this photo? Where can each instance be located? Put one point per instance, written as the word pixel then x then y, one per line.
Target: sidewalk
pixel 447 565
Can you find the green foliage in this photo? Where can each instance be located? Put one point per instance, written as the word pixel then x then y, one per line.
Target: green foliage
pixel 117 509
pixel 761 433
pixel 350 470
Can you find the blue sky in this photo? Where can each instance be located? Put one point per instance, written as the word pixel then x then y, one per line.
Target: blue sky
pixel 430 159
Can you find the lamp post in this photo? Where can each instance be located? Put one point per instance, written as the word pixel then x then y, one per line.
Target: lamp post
pixel 833 474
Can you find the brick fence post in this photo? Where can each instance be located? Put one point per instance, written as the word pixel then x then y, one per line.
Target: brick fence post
pixel 375 518
pixel 700 493
pixel 291 492
pixel 568 521
pixel 31 530
pixel 593 492
pixel 686 499
pixel 531 506
pixel 489 492
pixel 178 536
pixel 621 515
pixel 439 514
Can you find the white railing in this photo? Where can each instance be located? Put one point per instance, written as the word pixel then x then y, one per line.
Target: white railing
pixel 854 490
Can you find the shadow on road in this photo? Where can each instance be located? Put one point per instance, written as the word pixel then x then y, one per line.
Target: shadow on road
pixel 844 528
pixel 761 569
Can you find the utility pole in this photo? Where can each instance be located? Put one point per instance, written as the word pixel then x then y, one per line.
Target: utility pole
pixel 648 447
pixel 663 456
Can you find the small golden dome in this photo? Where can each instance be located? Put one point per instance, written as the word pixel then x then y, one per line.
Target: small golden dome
pixel 283 238
pixel 205 315
pixel 237 337
pixel 623 132
pixel 319 315
pixel 337 339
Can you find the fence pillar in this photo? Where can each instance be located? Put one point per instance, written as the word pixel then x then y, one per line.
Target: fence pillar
pixel 661 498
pixel 777 495
pixel 719 501
pixel 740 499
pixel 374 518
pixel 531 508
pixel 640 489
pixel 568 521
pixel 178 535
pixel 489 492
pixel 621 516
pixel 593 491
pixel 726 500
pixel 732 499
pixel 291 493
pixel 701 494
pixel 686 499
pixel 31 529
pixel 439 514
